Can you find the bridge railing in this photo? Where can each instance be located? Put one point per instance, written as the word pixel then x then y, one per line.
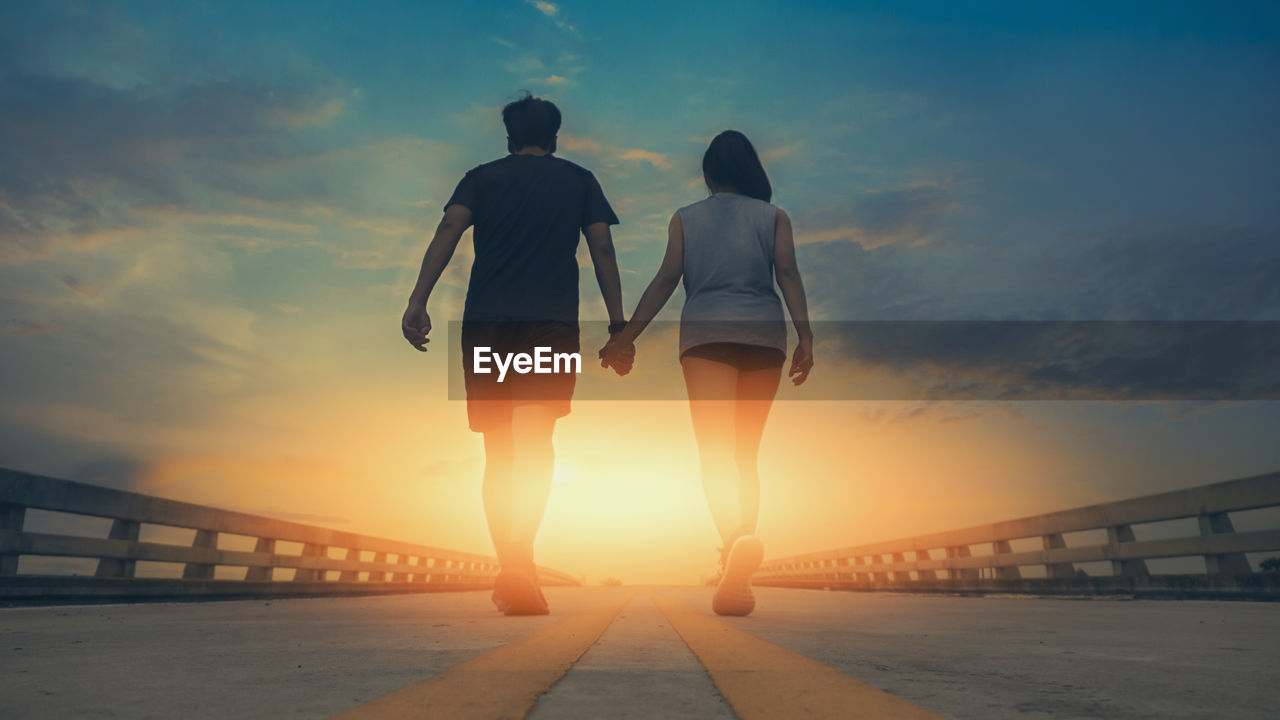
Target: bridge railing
pixel 365 564
pixel 983 558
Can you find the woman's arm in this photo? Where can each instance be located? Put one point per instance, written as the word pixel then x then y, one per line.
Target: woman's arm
pixel 788 275
pixel 663 284
pixel 620 351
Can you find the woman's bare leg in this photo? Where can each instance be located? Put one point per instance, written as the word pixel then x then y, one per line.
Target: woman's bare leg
pixel 711 386
pixel 756 390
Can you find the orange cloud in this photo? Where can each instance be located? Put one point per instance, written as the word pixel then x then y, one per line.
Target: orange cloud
pixel 613 152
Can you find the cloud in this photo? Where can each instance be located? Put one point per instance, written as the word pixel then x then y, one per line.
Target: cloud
pixel 658 160
pixel 525 64
pixel 552 11
pixel 774 154
pixel 80 287
pixel 305 116
pixel 177 214
pixel 551 80
pixel 1056 360
pixel 26 327
pixel 1178 273
pixel 904 216
pixel 612 153
pixel 83 162
pixel 585 144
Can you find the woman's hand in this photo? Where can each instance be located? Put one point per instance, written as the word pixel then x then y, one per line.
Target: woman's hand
pixel 415 325
pixel 619 354
pixel 801 361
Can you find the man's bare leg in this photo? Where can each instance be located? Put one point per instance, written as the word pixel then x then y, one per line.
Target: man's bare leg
pixel 496 489
pixel 533 466
pixel 519 465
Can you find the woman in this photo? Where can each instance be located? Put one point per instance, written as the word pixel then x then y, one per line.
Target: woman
pixel 729 248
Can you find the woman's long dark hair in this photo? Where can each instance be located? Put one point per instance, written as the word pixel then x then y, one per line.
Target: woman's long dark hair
pixel 731 161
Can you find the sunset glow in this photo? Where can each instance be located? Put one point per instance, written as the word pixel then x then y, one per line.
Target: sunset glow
pixel 210 221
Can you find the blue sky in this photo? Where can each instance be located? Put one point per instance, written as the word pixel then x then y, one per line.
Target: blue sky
pixel 210 210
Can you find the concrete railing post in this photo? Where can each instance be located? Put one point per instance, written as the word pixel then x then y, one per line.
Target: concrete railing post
pixel 922 555
pixel 881 577
pixel 312 574
pixel 1117 534
pixel 353 554
pixel 116 567
pixel 961 551
pixel 12 518
pixel 1223 563
pixel 201 571
pixel 262 574
pixel 1005 572
pixel 378 575
pixel 900 575
pixel 1062 571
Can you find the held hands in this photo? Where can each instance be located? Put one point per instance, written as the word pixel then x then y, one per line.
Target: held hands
pixel 619 354
pixel 801 362
pixel 415 325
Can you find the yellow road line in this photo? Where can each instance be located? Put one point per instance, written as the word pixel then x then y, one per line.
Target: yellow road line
pixel 762 680
pixel 502 683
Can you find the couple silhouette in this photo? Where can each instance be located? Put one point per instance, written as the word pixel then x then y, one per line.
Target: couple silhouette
pixel 529 210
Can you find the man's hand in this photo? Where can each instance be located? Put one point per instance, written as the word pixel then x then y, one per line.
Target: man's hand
pixel 618 354
pixel 415 325
pixel 801 362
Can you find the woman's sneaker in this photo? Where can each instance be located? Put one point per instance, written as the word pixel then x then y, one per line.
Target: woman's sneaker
pixel 516 591
pixel 733 593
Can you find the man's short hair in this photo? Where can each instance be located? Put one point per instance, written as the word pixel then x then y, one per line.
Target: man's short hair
pixel 531 121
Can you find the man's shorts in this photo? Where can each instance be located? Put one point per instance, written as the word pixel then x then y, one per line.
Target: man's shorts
pixel 489 402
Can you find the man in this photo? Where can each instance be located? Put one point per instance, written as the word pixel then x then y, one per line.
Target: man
pixel 528 209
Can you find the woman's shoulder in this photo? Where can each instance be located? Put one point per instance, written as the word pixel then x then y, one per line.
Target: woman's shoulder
pixel 732 200
pixel 754 204
pixel 694 206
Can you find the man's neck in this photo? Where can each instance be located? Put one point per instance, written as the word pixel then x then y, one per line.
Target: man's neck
pixel 531 150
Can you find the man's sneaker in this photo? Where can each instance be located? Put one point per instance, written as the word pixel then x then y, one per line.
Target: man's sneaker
pixel 733 593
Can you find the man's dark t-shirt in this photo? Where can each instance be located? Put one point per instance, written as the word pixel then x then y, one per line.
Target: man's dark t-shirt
pixel 528 212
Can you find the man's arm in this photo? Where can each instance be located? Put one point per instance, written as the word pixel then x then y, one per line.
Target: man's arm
pixel 600 243
pixel 416 323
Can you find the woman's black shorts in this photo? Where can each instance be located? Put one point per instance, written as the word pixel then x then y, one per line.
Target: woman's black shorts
pixel 742 356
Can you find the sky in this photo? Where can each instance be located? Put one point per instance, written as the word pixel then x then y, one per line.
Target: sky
pixel 212 214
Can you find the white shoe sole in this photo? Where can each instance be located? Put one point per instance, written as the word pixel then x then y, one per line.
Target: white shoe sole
pixel 733 594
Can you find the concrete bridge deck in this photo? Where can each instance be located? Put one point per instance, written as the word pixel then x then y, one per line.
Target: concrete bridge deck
pixel 643 653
